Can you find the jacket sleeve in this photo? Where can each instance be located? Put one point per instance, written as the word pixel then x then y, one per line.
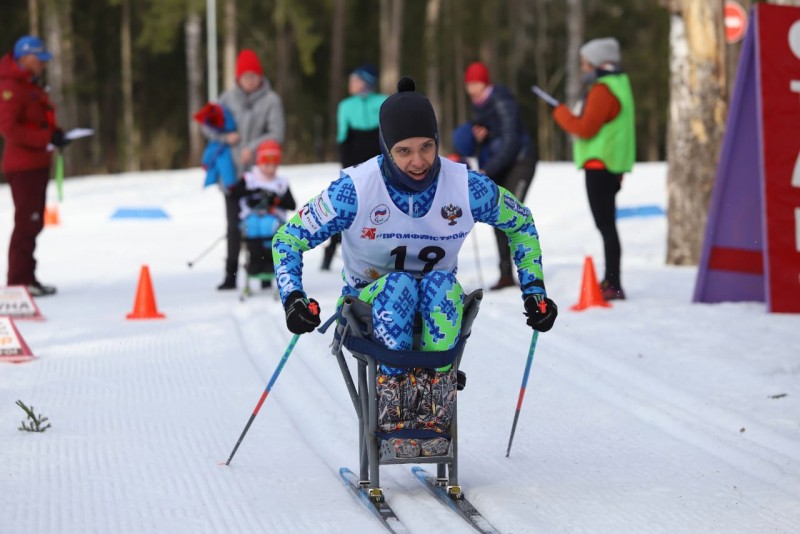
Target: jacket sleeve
pixel 12 129
pixel 326 214
pixel 287 201
pixel 503 158
pixel 601 106
pixel 341 123
pixel 497 207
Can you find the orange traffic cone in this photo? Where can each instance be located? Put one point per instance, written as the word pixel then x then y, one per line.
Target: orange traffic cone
pixel 590 289
pixel 51 215
pixel 145 305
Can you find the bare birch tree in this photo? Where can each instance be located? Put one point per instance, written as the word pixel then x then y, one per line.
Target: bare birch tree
pixel 575 37
pixel 61 69
pixel 336 90
pixel 545 128
pixel 229 45
pixel 432 16
pixel 391 29
pixel 520 17
pixel 130 136
pixel 193 29
pixel 33 17
pixel 696 122
pixel 459 64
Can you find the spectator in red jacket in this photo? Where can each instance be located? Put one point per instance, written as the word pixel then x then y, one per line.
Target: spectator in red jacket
pixel 28 126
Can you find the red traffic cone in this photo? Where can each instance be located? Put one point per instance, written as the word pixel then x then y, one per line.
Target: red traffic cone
pixel 590 289
pixel 51 217
pixel 144 307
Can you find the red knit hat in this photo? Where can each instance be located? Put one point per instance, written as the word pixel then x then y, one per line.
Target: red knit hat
pixel 268 152
pixel 248 62
pixel 477 72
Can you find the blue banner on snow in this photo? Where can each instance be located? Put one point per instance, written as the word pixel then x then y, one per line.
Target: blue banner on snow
pixel 139 213
pixel 640 211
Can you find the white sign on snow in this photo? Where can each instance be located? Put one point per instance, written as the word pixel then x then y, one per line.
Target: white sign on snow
pixel 12 347
pixel 16 302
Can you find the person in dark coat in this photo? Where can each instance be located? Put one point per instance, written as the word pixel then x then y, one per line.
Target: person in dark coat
pixel 28 126
pixel 508 156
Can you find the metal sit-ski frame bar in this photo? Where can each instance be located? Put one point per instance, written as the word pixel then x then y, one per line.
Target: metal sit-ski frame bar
pixel 354 332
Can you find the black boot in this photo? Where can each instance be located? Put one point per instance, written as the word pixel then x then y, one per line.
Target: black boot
pixel 228 283
pixel 505 281
pixel 36 289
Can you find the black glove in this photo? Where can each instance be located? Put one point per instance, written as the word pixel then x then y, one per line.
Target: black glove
pixel 58 140
pixel 302 314
pixel 541 312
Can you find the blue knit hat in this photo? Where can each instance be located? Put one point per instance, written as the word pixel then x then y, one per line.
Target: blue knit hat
pixel 30 44
pixel 368 73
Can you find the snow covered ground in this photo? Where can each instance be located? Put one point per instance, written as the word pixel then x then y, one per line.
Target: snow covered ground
pixel 656 415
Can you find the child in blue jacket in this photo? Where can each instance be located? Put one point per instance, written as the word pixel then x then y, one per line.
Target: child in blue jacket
pixel 264 198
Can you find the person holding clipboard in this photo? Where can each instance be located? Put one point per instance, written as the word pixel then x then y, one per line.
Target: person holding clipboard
pixel 30 131
pixel 604 144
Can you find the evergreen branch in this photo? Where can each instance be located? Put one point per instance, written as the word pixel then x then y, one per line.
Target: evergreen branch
pixel 36 422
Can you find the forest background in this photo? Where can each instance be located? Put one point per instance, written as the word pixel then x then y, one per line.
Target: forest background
pixel 136 70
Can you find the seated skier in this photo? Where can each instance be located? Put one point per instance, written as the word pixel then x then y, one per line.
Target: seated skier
pixel 264 197
pixel 404 216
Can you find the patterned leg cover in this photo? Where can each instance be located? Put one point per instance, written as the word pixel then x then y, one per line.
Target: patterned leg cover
pixel 421 398
pixel 442 307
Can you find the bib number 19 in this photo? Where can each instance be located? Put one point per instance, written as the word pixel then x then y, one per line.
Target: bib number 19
pixel 430 256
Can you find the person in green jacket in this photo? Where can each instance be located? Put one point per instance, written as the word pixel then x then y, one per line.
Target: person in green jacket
pixel 604 145
pixel 356 130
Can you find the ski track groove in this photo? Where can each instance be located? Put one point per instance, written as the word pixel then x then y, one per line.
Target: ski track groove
pixel 128 390
pixel 685 417
pixel 618 386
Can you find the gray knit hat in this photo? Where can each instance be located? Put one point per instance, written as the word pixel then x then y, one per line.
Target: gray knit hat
pixel 601 51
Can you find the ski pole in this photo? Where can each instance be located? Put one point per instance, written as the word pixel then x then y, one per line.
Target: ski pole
pixel 286 354
pixel 206 251
pixel 522 389
pixel 60 175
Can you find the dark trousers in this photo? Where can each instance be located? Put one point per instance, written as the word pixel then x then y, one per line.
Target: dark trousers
pixel 233 234
pixel 517 181
pixel 28 191
pixel 602 187
pixel 330 250
pixel 259 257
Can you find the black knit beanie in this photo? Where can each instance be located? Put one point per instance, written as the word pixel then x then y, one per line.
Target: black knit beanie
pixel 405 114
